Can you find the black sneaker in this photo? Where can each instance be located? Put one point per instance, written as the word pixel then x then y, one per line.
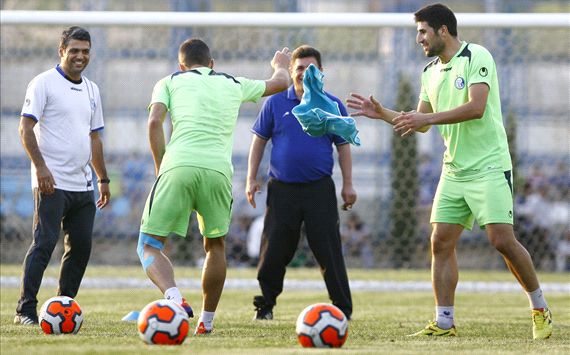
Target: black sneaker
pixel 263 311
pixel 26 319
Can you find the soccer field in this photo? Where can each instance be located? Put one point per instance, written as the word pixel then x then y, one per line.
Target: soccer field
pixel 488 322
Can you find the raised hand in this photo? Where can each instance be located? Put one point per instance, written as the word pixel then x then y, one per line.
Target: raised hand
pixel 368 107
pixel 281 59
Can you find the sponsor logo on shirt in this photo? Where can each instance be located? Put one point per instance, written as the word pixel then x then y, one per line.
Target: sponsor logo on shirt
pixel 445 69
pixel 76 89
pixel 286 114
pixel 459 83
pixel 27 102
pixel 483 72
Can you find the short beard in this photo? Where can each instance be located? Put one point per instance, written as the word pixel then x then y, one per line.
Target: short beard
pixel 435 50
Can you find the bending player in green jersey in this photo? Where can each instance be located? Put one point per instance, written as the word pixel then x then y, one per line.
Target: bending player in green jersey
pixel 460 95
pixel 194 171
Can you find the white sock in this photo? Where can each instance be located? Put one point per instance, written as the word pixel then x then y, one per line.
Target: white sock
pixel 536 299
pixel 207 318
pixel 444 317
pixel 173 294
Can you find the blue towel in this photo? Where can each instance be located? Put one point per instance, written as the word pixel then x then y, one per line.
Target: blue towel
pixel 318 114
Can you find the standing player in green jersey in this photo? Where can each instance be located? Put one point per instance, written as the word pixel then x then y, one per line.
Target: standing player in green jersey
pixel 194 171
pixel 460 94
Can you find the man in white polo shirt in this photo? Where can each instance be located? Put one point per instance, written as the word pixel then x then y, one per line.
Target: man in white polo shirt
pixel 59 128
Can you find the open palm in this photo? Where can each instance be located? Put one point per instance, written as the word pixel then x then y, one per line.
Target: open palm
pixel 368 107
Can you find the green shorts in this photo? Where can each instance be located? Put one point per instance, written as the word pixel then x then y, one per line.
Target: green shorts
pixel 487 199
pixel 178 192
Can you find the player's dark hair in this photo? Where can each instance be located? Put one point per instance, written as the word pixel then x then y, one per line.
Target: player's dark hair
pixel 306 51
pixel 437 15
pixel 194 51
pixel 74 32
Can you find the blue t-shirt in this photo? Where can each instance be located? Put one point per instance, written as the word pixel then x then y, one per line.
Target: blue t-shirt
pixel 296 157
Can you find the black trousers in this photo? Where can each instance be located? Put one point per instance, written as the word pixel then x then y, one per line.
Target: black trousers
pixel 75 212
pixel 288 205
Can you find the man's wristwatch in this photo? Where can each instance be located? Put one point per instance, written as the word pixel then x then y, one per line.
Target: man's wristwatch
pixel 104 181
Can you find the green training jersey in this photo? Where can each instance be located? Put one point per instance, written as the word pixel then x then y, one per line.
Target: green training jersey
pixel 203 106
pixel 477 146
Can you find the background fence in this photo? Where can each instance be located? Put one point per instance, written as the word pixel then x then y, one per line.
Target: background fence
pixel 386 228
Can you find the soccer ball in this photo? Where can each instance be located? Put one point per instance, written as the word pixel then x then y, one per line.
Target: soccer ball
pixel 163 322
pixel 61 315
pixel 322 325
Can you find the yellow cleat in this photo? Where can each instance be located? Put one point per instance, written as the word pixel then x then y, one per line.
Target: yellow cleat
pixel 433 330
pixel 541 323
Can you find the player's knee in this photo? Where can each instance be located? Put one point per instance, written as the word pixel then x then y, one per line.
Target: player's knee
pixel 502 238
pixel 145 239
pixel 440 244
pixel 502 244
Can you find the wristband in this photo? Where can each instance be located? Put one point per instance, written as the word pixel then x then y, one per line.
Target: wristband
pixel 104 181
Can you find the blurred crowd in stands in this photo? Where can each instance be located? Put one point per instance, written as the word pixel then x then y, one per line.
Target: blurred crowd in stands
pixel 541 212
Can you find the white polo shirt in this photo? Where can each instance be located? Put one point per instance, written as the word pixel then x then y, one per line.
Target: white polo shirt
pixel 66 113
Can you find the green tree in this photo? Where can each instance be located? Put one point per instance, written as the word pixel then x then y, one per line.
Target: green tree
pixel 404 185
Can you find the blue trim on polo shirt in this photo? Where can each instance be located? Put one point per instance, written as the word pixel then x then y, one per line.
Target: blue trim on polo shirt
pixel 259 135
pixel 98 129
pixel 59 70
pixel 29 115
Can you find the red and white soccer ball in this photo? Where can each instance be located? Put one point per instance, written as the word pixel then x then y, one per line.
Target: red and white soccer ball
pixel 163 322
pixel 322 325
pixel 61 315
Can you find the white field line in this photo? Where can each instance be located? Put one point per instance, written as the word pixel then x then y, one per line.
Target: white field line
pixel 308 285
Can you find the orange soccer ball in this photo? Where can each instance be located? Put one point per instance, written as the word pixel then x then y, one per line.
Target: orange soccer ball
pixel 322 325
pixel 163 322
pixel 61 315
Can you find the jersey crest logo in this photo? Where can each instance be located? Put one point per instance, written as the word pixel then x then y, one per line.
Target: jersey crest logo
pixel 459 83
pixel 483 72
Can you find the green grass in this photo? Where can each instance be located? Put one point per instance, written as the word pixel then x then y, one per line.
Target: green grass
pixel 293 273
pixel 496 323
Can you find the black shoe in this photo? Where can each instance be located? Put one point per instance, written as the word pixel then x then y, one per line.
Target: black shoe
pixel 26 319
pixel 263 311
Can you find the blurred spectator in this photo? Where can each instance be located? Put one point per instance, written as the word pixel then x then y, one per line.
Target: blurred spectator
pixel 429 172
pixel 560 182
pixel 563 253
pixel 236 241
pixel 536 176
pixel 357 241
pixel 533 223
pixel 254 239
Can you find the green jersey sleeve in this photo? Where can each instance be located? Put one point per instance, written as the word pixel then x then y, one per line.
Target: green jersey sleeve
pixel 160 93
pixel 482 67
pixel 423 92
pixel 252 90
